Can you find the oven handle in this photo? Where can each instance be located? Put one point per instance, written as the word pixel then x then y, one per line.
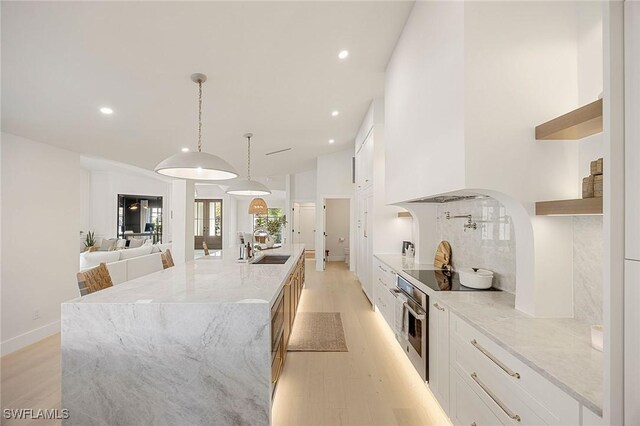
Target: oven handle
pixel 417 315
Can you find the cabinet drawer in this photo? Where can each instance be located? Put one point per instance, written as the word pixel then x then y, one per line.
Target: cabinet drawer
pixel 385 302
pixel 385 274
pixel 466 406
pixel 525 392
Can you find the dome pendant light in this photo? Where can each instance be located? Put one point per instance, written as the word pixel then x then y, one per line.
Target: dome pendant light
pixel 197 165
pixel 248 186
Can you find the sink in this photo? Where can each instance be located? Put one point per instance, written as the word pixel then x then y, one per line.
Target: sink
pixel 272 260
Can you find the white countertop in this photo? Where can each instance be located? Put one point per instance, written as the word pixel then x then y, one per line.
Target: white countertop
pixel 209 279
pixel 558 349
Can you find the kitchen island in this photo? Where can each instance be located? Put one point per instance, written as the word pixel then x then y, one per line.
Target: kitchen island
pixel 188 345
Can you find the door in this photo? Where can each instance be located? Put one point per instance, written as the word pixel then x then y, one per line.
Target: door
pixel 295 225
pixel 207 223
pixel 307 226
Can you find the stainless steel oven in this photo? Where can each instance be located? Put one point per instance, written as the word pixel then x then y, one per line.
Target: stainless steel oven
pixel 414 338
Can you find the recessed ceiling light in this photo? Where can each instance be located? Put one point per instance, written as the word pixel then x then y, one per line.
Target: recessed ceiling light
pixel 343 54
pixel 185 149
pixel 335 113
pixel 106 110
pixel 332 140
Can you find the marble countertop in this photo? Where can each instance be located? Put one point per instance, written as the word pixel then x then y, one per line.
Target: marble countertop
pixel 558 349
pixel 209 279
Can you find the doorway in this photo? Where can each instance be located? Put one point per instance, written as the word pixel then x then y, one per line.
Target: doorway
pixel 337 230
pixel 207 223
pixel 304 225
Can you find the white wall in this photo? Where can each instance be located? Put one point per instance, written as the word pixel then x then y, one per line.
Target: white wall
pixel 303 186
pixel 333 180
pixel 105 185
pixel 338 220
pixel 40 223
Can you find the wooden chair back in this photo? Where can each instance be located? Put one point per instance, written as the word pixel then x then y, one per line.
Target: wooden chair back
pixel 94 279
pixel 167 259
pixel 206 248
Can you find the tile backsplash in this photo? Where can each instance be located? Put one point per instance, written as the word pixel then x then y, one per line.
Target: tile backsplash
pixel 491 246
pixel 588 252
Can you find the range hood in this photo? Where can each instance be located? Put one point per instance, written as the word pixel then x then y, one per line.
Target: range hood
pixel 449 198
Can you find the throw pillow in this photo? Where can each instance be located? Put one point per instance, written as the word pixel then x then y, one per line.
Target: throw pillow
pixel 135 242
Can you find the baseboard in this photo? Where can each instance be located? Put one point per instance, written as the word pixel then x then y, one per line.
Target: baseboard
pixel 28 338
pixel 335 258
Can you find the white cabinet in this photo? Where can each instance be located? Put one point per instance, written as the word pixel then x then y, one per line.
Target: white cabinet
pixel 364 266
pixel 511 389
pixel 364 162
pixel 632 130
pixel 466 406
pixel 439 353
pixel 632 342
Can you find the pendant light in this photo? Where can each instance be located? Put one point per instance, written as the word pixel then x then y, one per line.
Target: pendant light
pixel 258 206
pixel 197 165
pixel 248 186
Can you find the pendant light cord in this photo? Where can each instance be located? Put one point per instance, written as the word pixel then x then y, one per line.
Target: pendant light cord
pixel 248 157
pixel 199 115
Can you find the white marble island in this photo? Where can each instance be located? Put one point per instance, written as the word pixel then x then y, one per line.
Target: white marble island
pixel 187 345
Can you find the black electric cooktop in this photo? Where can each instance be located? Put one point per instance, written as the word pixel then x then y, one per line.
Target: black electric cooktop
pixel 441 280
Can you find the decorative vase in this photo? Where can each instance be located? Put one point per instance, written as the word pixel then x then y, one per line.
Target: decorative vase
pixel 269 241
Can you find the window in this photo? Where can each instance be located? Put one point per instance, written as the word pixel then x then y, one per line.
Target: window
pixel 270 222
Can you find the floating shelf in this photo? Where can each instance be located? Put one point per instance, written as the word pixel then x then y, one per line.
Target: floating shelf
pixel 580 206
pixel 404 214
pixel 577 124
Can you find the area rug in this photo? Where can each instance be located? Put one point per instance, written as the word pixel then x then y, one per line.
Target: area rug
pixel 317 332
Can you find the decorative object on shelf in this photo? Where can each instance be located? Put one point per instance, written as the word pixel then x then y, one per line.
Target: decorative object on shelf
pixel 197 165
pixel 258 206
pixel 404 214
pixel 577 124
pixel 598 186
pixel 248 186
pixel 597 166
pixel 581 206
pixel 592 184
pixel 90 241
pixel 587 187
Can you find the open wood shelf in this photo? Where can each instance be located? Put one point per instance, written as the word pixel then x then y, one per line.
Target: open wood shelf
pixel 580 206
pixel 577 124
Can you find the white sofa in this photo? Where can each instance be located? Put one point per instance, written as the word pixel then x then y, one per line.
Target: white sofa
pixel 127 264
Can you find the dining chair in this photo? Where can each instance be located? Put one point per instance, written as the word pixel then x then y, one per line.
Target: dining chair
pixel 206 248
pixel 167 259
pixel 94 279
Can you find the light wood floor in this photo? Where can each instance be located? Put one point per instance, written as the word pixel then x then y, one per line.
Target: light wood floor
pixel 372 384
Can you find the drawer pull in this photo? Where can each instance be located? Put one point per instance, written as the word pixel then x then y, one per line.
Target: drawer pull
pixel 495 360
pixel 495 399
pixel 438 307
pixel 380 266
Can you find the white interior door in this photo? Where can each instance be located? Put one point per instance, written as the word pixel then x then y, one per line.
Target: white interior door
pixel 295 225
pixel 307 226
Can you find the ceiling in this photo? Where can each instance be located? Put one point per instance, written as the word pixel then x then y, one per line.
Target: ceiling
pixel 272 70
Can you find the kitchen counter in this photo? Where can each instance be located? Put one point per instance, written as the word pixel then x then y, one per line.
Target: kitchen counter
pixel 558 349
pixel 187 345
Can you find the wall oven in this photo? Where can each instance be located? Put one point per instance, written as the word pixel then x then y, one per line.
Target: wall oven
pixel 414 337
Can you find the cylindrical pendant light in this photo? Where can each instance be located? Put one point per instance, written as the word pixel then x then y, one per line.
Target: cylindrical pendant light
pixel 248 186
pixel 197 165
